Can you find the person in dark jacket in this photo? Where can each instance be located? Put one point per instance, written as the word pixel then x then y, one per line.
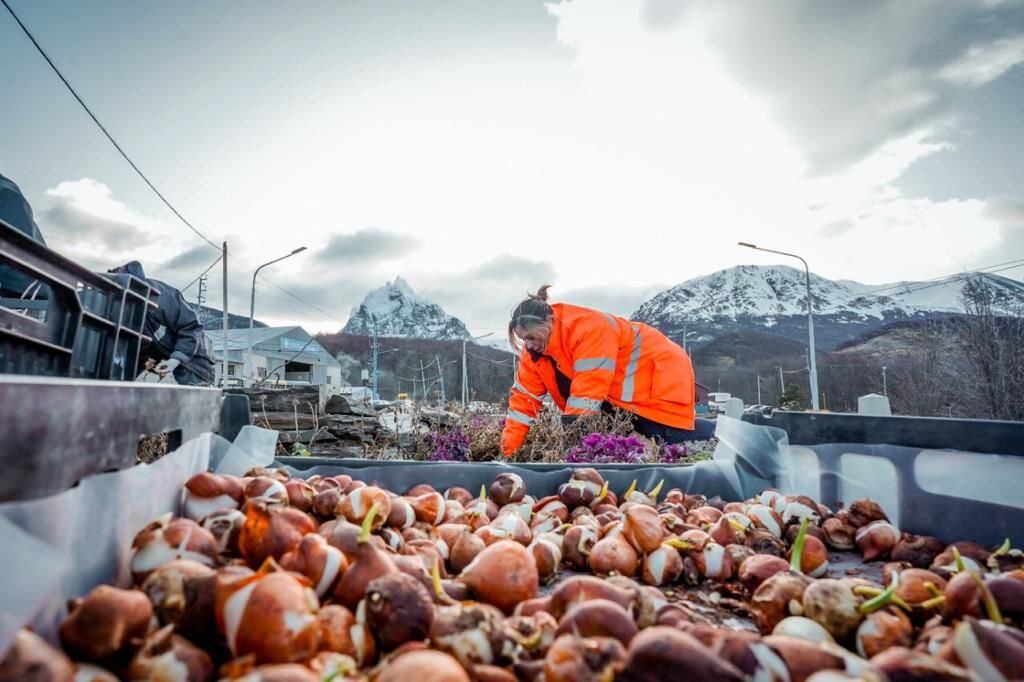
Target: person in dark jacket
pixel 177 339
pixel 16 212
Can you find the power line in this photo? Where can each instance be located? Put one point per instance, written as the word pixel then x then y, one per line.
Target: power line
pixel 934 282
pixel 103 128
pixel 941 279
pixel 331 316
pixel 201 274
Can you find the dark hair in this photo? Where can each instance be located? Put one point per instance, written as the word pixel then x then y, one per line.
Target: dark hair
pixel 531 311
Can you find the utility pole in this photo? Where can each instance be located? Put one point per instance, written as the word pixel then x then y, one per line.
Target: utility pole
pixel 813 367
pixel 465 384
pixel 782 382
pixel 440 376
pixel 373 360
pixel 200 297
pixel 684 335
pixel 885 386
pixel 224 319
pixel 423 382
pixel 758 389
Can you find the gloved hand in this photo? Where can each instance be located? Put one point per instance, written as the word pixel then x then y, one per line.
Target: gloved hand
pixel 569 419
pixel 167 366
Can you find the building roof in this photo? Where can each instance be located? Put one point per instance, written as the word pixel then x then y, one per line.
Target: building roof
pixel 241 339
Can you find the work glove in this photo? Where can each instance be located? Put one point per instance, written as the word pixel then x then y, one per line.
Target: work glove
pixel 167 366
pixel 569 419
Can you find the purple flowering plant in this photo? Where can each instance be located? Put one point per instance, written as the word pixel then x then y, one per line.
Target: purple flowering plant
pixel 606 448
pixel 449 447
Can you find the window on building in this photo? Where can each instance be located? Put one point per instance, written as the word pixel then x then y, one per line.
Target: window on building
pixel 329 380
pixel 261 372
pixel 295 344
pixel 231 370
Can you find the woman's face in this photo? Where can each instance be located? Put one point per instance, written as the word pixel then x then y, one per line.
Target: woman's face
pixel 535 337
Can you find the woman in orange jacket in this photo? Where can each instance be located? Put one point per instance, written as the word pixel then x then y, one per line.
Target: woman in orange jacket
pixel 589 361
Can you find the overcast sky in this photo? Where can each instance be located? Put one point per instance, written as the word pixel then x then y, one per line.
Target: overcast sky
pixel 479 148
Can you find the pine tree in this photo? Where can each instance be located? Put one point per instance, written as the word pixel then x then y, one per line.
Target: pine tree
pixel 792 398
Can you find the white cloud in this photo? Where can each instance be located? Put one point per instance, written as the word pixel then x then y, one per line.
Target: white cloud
pixel 982 64
pixel 85 212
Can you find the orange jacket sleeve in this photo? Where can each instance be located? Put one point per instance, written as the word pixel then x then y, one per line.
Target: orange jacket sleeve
pixel 523 407
pixel 594 345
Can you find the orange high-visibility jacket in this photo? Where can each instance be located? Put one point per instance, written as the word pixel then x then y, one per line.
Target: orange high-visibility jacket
pixel 608 359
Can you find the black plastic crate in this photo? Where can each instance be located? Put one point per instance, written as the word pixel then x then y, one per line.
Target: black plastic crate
pixel 64 320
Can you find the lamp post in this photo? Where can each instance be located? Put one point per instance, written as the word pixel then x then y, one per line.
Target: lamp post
pixel 247 379
pixel 465 379
pixel 810 319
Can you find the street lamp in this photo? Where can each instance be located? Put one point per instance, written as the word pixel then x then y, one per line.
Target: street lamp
pixel 810 319
pixel 465 381
pixel 252 311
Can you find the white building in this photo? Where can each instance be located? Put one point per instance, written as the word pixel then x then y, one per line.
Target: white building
pixel 285 354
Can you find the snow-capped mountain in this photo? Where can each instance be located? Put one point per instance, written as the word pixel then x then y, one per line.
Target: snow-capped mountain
pixel 773 298
pixel 398 311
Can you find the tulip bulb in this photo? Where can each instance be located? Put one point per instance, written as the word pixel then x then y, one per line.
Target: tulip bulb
pixel 864 512
pixel 917 550
pixel 399 609
pixel 429 508
pixel 31 658
pixel 544 523
pixel 207 492
pixel 458 494
pixel 318 561
pixel 598 618
pixel 577 544
pixel 612 555
pixel 877 539
pixel 714 562
pixel 802 628
pixel 801 507
pixel 772 601
pixel 426 665
pixel 834 605
pixel 838 535
pixel 356 505
pixel 165 540
pixel 508 488
pixel 554 506
pixel 664 653
pixel 512 527
pixel 270 614
pixel 883 630
pixel 759 568
pixel 465 548
pixel 225 526
pixel 472 633
pixel 271 531
pixel 765 518
pixel 503 574
pixel 182 594
pixel 370 561
pixel 663 566
pixel 548 557
pixel 571 659
pixel 267 489
pixel 582 489
pixel 167 657
pixel 105 622
pixel 642 528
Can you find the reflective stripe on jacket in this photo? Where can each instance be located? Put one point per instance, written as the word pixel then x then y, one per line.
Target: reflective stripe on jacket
pixel 608 359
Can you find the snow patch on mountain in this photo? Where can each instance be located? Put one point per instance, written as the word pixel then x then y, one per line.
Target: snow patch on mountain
pixel 396 310
pixel 766 293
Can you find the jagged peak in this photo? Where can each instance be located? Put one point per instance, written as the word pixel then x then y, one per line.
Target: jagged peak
pixel 395 309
